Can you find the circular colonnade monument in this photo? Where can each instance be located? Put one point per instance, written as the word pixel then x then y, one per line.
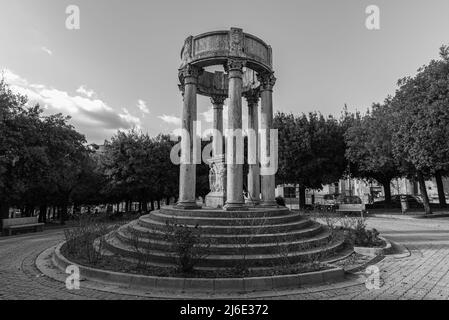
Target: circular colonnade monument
pixel 248 63
pixel 257 233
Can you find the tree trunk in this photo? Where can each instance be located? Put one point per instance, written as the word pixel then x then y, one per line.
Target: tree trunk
pixel 440 187
pixel 302 198
pixel 167 201
pixel 4 210
pixel 43 213
pixel 144 206
pixel 422 188
pixel 64 209
pixel 127 206
pixel 76 208
pixel 29 210
pixel 152 205
pixel 159 204
pixel 387 191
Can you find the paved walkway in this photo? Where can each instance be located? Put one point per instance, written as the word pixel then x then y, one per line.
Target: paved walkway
pixel 422 275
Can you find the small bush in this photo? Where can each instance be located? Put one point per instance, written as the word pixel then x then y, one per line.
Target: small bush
pixel 360 236
pixel 280 201
pixel 142 245
pixel 80 239
pixel 188 246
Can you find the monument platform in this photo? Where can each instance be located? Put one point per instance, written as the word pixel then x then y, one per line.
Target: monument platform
pixel 260 238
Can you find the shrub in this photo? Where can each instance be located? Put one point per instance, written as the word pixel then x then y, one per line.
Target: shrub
pixel 80 239
pixel 280 201
pixel 188 246
pixel 360 236
pixel 142 245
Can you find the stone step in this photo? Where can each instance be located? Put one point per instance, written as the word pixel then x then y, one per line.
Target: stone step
pixel 150 223
pixel 220 213
pixel 224 221
pixel 291 235
pixel 226 261
pixel 281 246
pixel 337 255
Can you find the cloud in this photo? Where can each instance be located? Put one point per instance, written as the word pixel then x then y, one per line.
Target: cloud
pixel 208 115
pixel 47 51
pixel 142 105
pixel 92 117
pixel 170 119
pixel 84 91
pixel 129 117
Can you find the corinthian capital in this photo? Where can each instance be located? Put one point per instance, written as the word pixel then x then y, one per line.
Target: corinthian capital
pixel 217 100
pixel 267 80
pixel 189 73
pixel 252 96
pixel 235 65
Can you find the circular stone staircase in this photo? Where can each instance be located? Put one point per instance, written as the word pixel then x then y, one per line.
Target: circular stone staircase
pixel 257 238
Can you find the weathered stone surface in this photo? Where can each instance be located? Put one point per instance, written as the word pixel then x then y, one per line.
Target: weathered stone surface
pixel 209 48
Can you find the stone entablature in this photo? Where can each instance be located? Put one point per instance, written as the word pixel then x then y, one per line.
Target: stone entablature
pixel 218 46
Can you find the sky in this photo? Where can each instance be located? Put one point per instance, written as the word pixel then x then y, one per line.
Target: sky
pixel 120 69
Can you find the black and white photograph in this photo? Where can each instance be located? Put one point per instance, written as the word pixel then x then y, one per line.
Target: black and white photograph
pixel 224 154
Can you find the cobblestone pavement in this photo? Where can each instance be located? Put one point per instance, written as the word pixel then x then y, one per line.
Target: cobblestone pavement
pixel 20 279
pixel 422 275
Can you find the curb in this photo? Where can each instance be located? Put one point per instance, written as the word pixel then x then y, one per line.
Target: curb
pixel 373 252
pixel 409 217
pixel 201 285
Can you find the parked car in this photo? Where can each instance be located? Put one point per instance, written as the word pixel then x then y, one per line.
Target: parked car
pixel 342 199
pixel 327 203
pixel 350 204
pixel 413 201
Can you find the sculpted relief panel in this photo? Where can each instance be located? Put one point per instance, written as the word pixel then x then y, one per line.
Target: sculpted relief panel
pixel 217 176
pixel 211 43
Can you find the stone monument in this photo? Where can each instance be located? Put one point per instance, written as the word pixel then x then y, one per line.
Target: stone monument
pixel 247 61
pixel 229 221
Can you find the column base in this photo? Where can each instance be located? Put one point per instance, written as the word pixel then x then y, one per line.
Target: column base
pixel 187 206
pixel 235 207
pixel 252 203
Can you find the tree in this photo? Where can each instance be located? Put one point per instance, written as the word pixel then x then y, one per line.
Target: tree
pixel 311 151
pixel 369 148
pixel 22 156
pixel 138 167
pixel 421 119
pixel 41 158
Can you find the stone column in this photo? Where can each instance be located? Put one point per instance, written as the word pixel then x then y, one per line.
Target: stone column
pixel 234 139
pixel 217 142
pixel 217 175
pixel 267 81
pixel 187 177
pixel 252 98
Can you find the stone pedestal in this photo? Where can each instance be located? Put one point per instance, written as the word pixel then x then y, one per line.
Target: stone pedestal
pixel 217 182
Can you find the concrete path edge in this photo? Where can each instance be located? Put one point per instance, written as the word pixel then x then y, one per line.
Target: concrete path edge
pixel 196 285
